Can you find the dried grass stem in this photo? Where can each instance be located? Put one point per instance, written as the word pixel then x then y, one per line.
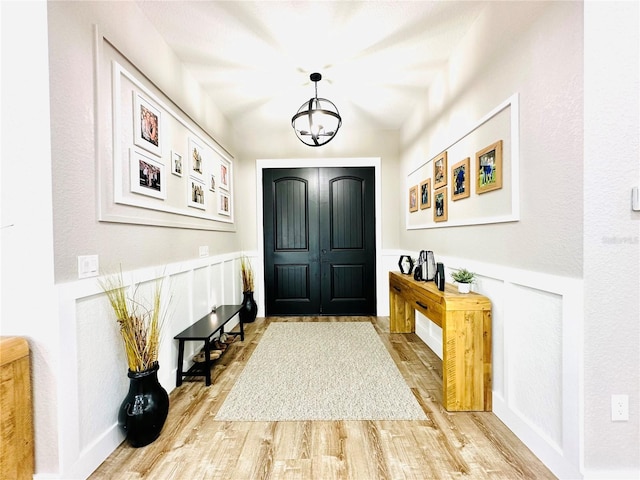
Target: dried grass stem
pixel 140 325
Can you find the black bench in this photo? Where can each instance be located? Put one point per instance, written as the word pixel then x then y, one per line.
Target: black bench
pixel 203 330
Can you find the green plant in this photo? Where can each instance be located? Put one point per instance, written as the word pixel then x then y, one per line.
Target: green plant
pixel 462 275
pixel 140 322
pixel 247 274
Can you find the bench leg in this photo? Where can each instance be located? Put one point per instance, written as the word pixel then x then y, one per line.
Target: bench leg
pixel 207 362
pixel 180 361
pixel 241 330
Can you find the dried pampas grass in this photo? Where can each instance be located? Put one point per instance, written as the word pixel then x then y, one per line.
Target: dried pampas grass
pixel 140 322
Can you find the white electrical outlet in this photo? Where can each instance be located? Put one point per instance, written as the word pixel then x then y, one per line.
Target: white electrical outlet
pixel 620 408
pixel 204 251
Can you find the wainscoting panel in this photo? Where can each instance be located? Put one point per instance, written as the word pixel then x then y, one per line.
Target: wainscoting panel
pixel 534 351
pixel 101 370
pixel 92 365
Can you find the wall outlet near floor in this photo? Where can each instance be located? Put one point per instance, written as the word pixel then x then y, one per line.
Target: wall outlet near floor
pixel 620 408
pixel 204 251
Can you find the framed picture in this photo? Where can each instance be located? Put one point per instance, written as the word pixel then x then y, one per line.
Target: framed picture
pixel 224 204
pixel 440 171
pixel 425 194
pixel 413 199
pixel 147 125
pixel 460 178
pixel 212 183
pixel 176 164
pixel 146 175
pixel 489 168
pixel 196 193
pixel 224 174
pixel 440 212
pixel 196 159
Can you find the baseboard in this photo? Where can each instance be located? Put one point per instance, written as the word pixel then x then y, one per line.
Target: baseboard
pixel 93 455
pixel 611 474
pixel 548 453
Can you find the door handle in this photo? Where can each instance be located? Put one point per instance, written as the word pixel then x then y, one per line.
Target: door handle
pixel 422 305
pixel 324 251
pixel 396 289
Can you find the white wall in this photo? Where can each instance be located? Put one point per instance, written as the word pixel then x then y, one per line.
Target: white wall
pixel 533 49
pixel 78 100
pixel 521 58
pixel 577 240
pixel 612 237
pixel 27 301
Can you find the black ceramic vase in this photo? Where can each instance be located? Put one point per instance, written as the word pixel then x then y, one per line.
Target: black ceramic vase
pixel 145 408
pixel 249 310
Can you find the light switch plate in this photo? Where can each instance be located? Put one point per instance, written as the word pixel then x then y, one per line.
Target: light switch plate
pixel 87 266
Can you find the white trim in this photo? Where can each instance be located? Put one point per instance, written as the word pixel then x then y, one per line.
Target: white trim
pixel 514 216
pixel 261 164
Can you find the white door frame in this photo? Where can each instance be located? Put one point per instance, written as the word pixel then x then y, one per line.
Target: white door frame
pixel 261 164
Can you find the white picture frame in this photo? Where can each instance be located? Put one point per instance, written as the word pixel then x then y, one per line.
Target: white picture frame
pixel 225 174
pixel 176 164
pixel 147 125
pixel 147 175
pixel 224 204
pixel 197 159
pixel 197 194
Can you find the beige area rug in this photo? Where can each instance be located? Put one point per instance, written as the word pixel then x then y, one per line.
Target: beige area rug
pixel 320 371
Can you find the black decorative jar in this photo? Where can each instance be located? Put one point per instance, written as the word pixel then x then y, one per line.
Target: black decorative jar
pixel 145 408
pixel 249 310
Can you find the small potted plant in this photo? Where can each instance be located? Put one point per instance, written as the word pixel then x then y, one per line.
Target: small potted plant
pixel 464 278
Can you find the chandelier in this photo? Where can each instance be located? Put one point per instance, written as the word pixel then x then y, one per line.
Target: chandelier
pixel 317 121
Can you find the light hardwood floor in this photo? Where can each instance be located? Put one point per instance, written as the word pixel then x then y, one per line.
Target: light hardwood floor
pixel 474 445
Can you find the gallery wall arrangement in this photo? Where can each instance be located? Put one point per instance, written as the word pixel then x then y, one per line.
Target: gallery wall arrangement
pixel 474 180
pixel 163 168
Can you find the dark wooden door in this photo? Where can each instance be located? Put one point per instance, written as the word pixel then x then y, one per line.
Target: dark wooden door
pixel 319 241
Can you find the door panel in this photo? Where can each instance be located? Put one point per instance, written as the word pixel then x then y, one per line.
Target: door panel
pixel 347 243
pixel 291 241
pixel 319 227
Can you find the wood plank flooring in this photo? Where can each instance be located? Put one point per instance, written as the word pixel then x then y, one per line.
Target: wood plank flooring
pixel 474 445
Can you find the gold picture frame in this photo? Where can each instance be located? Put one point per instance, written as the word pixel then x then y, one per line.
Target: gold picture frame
pixel 489 168
pixel 440 203
pixel 460 183
pixel 413 199
pixel 440 171
pixel 425 194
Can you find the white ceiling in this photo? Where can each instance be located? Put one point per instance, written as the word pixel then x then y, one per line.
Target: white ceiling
pixel 254 58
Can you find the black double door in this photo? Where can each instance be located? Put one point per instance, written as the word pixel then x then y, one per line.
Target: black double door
pixel 319 241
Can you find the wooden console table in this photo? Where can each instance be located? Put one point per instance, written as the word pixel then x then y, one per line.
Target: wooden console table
pixel 465 319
